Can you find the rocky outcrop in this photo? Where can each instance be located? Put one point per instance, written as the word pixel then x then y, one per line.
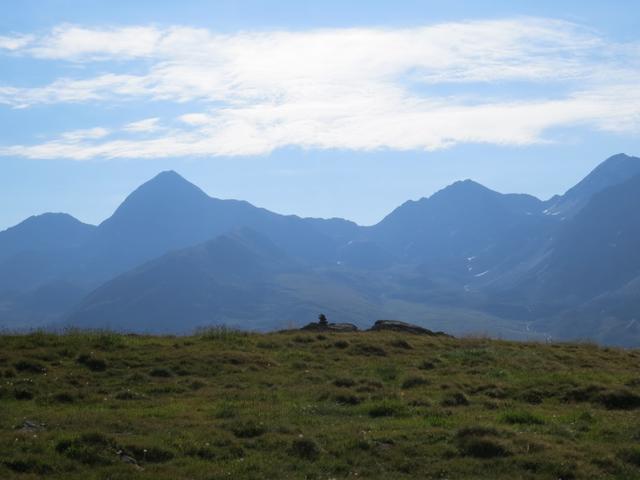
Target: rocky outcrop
pixel 379 326
pixel 330 327
pixel 403 327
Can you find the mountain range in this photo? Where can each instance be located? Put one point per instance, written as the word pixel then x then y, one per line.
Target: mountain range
pixel 464 260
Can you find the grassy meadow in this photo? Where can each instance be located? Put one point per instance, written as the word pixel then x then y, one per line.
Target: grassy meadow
pixel 368 405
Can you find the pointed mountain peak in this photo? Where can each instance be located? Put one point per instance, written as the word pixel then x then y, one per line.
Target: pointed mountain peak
pixel 467 185
pixel 167 193
pixel 167 183
pixel 169 179
pixel 463 189
pixel 168 175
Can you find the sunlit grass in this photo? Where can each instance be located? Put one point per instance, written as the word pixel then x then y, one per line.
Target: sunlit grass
pixel 229 404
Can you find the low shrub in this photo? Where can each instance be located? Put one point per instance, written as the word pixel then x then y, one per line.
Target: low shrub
pixel 204 453
pixel 401 343
pixel 148 454
pixel 582 394
pixel 347 399
pixel 630 455
pixel 618 400
pixel 344 382
pixel 388 372
pixel 221 333
pixel 369 350
pixel 305 448
pixel 248 429
pixel 438 419
pixel 369 386
pixel 22 394
pixel 29 366
pixel 226 410
pixel 63 397
pixel 387 409
pixel 482 448
pixel 30 465
pixel 534 397
pixel 456 399
pixel 480 442
pixel 415 381
pixel 426 365
pixel 106 340
pixel 303 339
pixel 521 418
pixel 92 363
pixel 128 395
pixel 89 448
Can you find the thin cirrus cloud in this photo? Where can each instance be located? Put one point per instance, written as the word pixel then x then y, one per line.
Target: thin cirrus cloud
pixel 352 88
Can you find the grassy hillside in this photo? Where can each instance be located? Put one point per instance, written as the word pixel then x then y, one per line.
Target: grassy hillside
pixel 307 405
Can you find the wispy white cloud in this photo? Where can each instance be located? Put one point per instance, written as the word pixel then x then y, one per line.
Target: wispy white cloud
pixel 196 118
pixel 85 134
pixel 70 42
pixel 15 42
pixel 147 125
pixel 338 88
pixel 67 90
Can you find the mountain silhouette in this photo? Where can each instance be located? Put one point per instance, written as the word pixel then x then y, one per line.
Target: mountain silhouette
pixel 172 258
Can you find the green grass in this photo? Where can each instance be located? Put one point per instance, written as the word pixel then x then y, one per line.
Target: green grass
pixel 226 404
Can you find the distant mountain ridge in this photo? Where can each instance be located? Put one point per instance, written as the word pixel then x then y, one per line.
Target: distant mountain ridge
pixel 172 258
pixel 46 232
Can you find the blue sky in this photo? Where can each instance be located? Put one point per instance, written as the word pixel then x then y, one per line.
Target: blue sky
pixel 326 108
